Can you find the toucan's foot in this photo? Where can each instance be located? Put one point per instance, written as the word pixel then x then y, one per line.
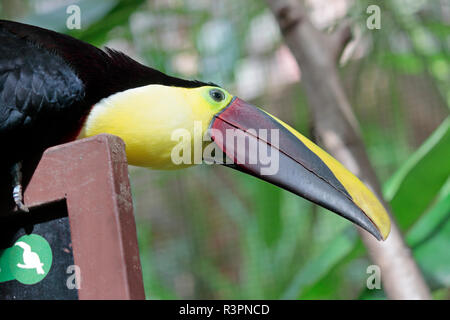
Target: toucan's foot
pixel 16 172
pixel 18 198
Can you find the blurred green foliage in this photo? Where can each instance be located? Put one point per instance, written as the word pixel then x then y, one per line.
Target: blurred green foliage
pixel 214 233
pixel 424 168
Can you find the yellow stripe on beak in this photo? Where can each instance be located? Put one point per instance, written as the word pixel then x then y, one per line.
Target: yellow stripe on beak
pixel 361 195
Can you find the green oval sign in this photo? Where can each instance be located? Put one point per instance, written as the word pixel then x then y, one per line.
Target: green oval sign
pixel 30 259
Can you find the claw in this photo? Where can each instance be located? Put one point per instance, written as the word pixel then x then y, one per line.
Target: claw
pixel 18 198
pixel 16 172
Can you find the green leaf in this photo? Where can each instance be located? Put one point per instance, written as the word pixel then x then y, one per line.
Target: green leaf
pixel 433 257
pixel 118 15
pixel 343 275
pixel 267 210
pixel 432 221
pixel 439 29
pixel 414 186
pixel 430 238
pixel 91 11
pixel 97 19
pixel 318 267
pixel 407 63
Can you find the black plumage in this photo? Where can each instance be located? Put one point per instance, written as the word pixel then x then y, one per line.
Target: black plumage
pixel 50 81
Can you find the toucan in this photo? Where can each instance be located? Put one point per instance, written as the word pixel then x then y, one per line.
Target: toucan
pixel 55 89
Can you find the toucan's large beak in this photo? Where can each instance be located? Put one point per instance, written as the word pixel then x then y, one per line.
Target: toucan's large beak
pixel 263 146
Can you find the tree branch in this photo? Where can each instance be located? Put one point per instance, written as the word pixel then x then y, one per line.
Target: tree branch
pixel 338 130
pixel 339 39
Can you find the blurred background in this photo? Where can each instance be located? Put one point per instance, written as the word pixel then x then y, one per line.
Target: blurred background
pixel 212 233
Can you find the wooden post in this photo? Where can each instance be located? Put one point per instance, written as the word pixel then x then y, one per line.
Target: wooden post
pixel 80 202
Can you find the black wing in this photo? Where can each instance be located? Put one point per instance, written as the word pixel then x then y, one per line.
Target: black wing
pixel 35 87
pixel 33 83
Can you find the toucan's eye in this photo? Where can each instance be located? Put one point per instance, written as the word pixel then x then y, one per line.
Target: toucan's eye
pixel 217 95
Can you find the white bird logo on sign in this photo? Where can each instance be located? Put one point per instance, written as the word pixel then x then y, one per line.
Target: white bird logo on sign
pixel 31 259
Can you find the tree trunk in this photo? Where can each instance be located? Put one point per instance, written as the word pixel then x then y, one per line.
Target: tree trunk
pixel 338 130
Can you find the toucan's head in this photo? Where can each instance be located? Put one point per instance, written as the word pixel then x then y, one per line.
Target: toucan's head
pixel 167 127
